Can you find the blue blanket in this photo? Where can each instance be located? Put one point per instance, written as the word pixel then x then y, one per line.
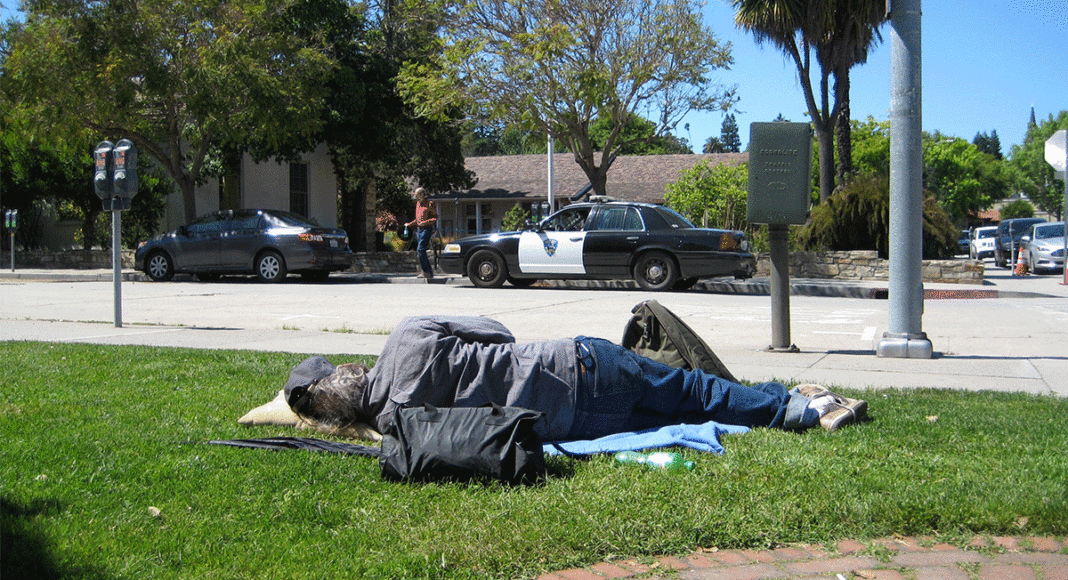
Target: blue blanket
pixel 703 437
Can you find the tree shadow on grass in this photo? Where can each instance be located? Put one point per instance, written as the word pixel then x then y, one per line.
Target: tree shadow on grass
pixel 28 553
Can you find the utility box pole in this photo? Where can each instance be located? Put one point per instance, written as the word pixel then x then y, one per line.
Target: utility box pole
pixel 780 189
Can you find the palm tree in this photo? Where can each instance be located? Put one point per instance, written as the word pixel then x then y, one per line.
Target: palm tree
pixel 855 32
pixel 840 33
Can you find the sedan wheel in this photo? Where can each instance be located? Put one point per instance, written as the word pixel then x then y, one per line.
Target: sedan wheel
pixel 159 267
pixel 486 269
pixel 655 271
pixel 270 267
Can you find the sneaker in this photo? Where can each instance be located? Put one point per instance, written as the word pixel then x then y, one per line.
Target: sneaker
pixel 420 275
pixel 843 411
pixel 835 410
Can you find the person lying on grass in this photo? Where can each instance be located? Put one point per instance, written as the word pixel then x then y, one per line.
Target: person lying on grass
pixel 586 387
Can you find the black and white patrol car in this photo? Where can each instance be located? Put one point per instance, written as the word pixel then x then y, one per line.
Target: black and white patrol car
pixel 654 245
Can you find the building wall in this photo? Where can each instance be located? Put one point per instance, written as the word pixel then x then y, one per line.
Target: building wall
pixel 266 185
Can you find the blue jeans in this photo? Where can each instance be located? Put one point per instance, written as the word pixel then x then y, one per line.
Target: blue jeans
pixel 619 391
pixel 423 236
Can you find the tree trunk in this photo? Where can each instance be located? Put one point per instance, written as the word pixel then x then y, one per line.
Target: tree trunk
pixel 826 159
pixel 842 129
pixel 189 197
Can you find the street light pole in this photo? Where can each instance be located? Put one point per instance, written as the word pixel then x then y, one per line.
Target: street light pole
pixel 905 337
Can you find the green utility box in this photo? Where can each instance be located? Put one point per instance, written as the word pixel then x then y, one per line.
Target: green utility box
pixel 780 173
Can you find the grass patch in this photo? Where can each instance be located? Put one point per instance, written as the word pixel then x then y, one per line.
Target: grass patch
pixel 93 436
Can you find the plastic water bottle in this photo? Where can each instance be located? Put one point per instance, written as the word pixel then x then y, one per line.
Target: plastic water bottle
pixel 656 460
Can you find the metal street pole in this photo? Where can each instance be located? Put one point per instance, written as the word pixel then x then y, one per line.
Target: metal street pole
pixel 116 260
pixel 905 337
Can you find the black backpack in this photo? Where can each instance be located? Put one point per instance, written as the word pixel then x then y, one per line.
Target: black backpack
pixel 658 334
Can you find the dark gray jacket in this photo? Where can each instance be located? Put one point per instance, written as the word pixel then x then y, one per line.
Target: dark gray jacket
pixel 466 361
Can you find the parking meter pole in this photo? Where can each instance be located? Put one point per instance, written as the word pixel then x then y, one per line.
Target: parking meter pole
pixel 12 251
pixel 116 259
pixel 779 249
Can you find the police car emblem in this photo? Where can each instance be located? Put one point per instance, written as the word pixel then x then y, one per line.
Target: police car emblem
pixel 550 247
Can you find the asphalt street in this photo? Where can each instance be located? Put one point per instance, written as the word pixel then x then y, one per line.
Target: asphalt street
pixel 1009 334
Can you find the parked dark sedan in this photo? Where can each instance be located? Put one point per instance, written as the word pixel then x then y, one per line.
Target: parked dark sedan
pixel 265 242
pixel 654 245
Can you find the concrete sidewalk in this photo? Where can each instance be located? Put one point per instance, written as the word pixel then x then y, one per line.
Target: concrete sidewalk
pixel 1007 334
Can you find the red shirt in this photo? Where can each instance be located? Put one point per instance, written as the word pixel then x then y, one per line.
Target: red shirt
pixel 424 214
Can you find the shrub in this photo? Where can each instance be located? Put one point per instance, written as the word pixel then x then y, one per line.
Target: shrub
pixel 515 218
pixel 857 217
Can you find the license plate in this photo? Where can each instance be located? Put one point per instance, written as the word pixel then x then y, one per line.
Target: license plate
pixel 333 243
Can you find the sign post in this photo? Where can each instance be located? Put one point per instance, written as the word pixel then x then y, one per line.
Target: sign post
pixel 780 184
pixel 1057 156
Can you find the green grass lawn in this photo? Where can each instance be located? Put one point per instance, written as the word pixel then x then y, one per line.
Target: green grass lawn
pixel 95 436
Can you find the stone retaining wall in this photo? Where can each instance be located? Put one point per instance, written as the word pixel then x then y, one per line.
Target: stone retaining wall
pixel 373 262
pixel 866 265
pixel 857 265
pixel 66 259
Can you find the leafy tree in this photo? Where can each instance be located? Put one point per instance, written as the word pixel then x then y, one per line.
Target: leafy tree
pixel 556 67
pixel 714 196
pixel 177 78
pixel 840 33
pixel 1032 174
pixel 42 177
pixel 1017 209
pixel 729 135
pixel 376 141
pixel 963 179
pixel 639 134
pixel 871 147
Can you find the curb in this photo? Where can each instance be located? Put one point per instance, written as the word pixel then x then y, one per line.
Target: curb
pixel 751 287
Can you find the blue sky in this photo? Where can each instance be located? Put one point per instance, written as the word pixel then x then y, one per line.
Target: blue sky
pixel 985 63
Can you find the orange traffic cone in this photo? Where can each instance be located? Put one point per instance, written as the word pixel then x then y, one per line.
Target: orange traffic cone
pixel 1021 264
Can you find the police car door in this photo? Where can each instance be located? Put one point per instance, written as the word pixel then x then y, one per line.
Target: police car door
pixel 556 247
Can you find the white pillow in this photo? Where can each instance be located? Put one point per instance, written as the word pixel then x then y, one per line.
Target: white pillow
pixel 278 412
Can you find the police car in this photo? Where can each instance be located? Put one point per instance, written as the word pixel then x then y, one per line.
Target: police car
pixel 603 240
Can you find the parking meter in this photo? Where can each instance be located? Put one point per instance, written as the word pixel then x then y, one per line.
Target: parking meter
pixel 102 182
pixel 11 222
pixel 124 166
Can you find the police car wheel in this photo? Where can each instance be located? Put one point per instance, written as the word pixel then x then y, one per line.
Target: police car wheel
pixel 486 269
pixel 655 271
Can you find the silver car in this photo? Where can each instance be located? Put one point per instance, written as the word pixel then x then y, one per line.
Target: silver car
pixel 1044 246
pixel 264 242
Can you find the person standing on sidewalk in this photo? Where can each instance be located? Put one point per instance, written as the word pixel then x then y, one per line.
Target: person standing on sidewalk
pixel 426 221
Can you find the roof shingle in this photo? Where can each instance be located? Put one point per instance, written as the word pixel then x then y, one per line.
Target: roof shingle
pixel 641 178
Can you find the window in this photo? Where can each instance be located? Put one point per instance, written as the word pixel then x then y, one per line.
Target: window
pixel 209 224
pixel 478 218
pixel 568 220
pixel 298 188
pixel 618 218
